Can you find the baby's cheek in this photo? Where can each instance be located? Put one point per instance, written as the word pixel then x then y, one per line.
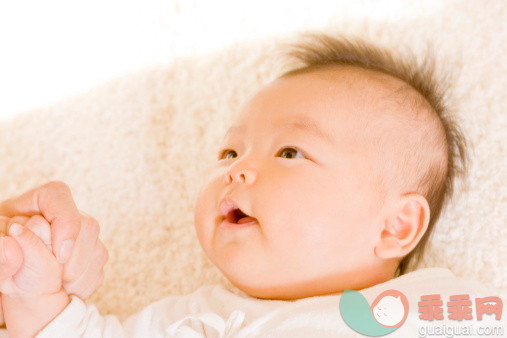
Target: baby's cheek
pixel 205 211
pixel 200 212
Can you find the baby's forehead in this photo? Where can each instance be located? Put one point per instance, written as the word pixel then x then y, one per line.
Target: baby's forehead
pixel 354 96
pixel 357 83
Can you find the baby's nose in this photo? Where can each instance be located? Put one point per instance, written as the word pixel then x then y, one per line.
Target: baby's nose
pixel 241 173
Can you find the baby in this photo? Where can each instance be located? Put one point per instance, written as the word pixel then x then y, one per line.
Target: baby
pixel 331 178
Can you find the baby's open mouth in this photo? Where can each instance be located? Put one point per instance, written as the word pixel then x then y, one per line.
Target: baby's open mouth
pixel 233 214
pixel 239 217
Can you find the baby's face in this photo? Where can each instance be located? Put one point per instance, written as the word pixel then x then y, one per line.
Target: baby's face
pixel 298 160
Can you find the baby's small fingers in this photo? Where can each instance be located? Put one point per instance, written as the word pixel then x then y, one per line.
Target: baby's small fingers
pixel 41 228
pixel 5 222
pixel 12 258
pixel 17 219
pixel 40 271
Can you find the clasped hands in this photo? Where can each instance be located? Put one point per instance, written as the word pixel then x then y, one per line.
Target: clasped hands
pixel 47 246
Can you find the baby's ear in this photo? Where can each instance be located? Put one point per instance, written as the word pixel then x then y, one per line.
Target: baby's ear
pixel 404 227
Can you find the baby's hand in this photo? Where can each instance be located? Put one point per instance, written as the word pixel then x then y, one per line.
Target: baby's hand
pixel 38 226
pixel 29 268
pixel 30 279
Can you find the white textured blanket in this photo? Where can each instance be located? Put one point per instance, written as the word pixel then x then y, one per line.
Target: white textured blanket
pixel 135 150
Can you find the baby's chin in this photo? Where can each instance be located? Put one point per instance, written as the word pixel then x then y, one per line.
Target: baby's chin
pixel 284 293
pixel 280 288
pixel 286 290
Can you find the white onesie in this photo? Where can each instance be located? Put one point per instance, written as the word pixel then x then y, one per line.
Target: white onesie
pixel 215 311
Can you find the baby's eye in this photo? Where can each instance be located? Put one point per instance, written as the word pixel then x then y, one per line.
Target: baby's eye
pixel 225 154
pixel 290 153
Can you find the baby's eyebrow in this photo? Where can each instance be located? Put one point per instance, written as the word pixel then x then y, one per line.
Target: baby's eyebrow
pixel 308 125
pixel 231 129
pixel 302 124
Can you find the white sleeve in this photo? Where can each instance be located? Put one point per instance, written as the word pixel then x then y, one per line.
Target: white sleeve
pixel 84 320
pixel 81 320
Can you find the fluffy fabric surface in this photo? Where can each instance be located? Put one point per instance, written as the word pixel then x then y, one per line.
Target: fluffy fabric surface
pixel 135 150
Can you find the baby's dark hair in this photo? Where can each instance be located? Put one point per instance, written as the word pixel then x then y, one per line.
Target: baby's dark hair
pixel 437 184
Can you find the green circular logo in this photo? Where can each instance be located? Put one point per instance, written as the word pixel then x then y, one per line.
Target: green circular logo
pixel 385 315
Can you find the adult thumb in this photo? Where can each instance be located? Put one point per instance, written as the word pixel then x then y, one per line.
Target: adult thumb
pixel 11 257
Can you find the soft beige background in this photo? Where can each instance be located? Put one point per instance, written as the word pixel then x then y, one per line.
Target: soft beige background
pixel 135 149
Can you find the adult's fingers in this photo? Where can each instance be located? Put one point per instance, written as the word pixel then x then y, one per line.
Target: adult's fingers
pixel 88 287
pixel 53 201
pixel 92 277
pixel 95 284
pixel 83 248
